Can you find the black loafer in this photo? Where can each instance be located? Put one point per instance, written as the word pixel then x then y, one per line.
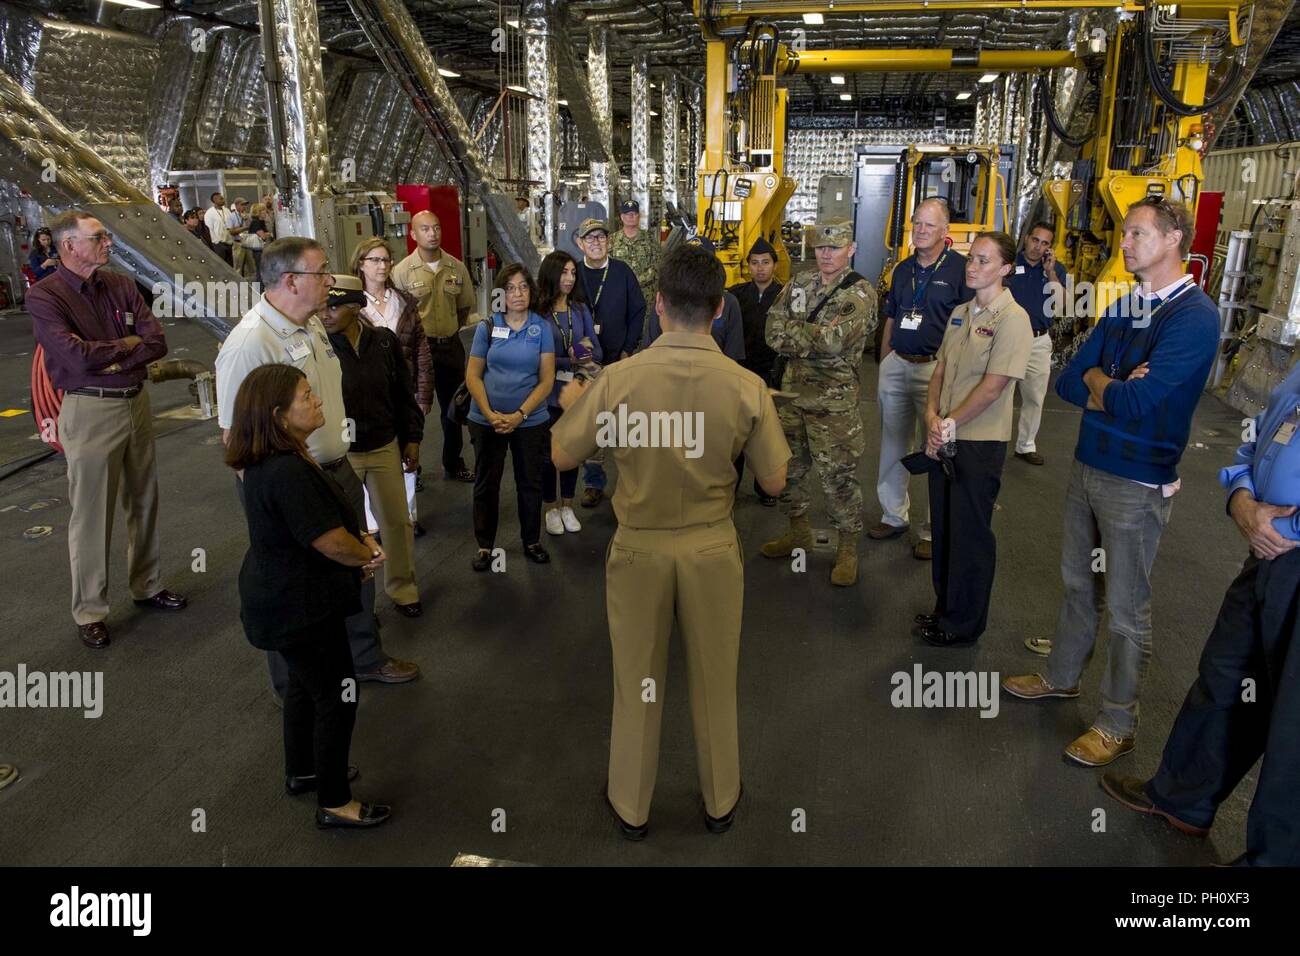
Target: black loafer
pixel 418 529
pixel 941 638
pixel 415 609
pixel 537 554
pixel 926 620
pixel 723 824
pixel 164 601
pixel 372 814
pixel 297 786
pixel 482 561
pixel 634 834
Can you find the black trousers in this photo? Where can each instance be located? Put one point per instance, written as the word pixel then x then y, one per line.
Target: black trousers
pixel 318 715
pixel 1218 735
pixel 527 454
pixel 226 251
pixel 448 374
pixel 965 551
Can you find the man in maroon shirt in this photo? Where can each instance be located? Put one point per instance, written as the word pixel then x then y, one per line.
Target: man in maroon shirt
pixel 99 337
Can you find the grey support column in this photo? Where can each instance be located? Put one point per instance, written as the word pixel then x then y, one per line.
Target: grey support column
pixel 543 108
pixel 601 189
pixel 668 116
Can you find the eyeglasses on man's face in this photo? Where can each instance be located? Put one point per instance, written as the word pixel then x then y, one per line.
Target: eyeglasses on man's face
pixel 97 237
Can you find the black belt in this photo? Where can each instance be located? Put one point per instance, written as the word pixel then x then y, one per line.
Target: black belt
pixel 334 465
pixel 435 340
pixel 915 359
pixel 131 392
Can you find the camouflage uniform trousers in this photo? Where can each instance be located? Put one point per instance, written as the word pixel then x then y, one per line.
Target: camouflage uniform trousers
pixel 833 442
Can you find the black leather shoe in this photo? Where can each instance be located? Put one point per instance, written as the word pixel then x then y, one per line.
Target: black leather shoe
pixel 463 475
pixel 926 620
pixel 482 561
pixel 414 609
pixel 1033 457
pixel 635 834
pixel 537 554
pixel 165 601
pixel 418 529
pixel 94 635
pixel 297 786
pixel 723 824
pixel 372 814
pixel 940 638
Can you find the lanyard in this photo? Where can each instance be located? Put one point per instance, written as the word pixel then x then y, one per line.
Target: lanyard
pixel 595 301
pixel 566 335
pixel 918 292
pixel 1126 340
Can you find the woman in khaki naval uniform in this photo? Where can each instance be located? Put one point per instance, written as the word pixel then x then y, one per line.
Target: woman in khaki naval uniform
pixel 674 418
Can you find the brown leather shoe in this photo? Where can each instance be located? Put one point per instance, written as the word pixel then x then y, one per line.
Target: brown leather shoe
pixel 592 497
pixel 922 550
pixel 1096 747
pixel 164 601
pixel 94 635
pixel 1033 686
pixel 392 671
pixel 883 532
pixel 1132 792
pixel 1033 457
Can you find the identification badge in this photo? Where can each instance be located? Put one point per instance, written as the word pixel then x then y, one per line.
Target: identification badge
pixel 597 328
pixel 1020 270
pixel 298 351
pixel 498 333
pixel 564 376
pixel 984 330
pixel 911 321
pixel 1284 433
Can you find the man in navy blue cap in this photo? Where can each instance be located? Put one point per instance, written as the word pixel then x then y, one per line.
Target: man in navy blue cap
pixel 638 248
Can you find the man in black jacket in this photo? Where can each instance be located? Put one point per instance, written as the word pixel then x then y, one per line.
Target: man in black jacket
pixel 756 297
pixel 385 427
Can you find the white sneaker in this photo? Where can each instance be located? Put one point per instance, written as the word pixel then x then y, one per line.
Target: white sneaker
pixel 571 522
pixel 553 523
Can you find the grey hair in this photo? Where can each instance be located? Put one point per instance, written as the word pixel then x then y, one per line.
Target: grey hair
pixel 284 256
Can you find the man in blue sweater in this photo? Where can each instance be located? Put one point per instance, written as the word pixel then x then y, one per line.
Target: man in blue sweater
pixel 1246 700
pixel 618 311
pixel 1138 378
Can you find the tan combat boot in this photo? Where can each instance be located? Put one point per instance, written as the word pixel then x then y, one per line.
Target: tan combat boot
pixel 799 536
pixel 845 571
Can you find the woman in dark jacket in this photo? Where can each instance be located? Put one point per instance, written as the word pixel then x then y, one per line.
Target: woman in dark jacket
pixel 300 580
pixel 389 308
pixel 44 260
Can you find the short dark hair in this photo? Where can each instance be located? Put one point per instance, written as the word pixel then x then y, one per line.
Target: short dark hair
pixel 284 256
pixel 1042 224
pixel 1170 214
pixel 508 272
pixel 255 431
pixel 691 281
pixel 192 214
pixel 215 194
pixel 548 282
pixel 1006 245
pixel 66 223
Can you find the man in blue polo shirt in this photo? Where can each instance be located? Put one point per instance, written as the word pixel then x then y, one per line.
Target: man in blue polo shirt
pixel 618 313
pixel 925 288
pixel 1138 377
pixel 1035 283
pixel 1246 700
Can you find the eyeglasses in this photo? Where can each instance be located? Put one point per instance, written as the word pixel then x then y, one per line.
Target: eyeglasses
pixel 98 237
pixel 592 237
pixel 385 260
pixel 302 272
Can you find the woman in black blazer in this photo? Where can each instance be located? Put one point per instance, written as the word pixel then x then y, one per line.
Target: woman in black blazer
pixel 300 579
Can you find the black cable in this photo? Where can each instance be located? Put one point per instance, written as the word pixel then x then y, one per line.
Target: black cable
pixel 1227 86
pixel 1047 96
pixel 27 463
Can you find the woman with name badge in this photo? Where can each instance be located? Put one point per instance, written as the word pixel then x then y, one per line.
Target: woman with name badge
pixel 561 298
pixel 510 375
pixel 968 424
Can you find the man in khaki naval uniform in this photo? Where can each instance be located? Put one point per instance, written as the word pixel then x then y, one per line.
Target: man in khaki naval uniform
pixel 444 292
pixel 820 323
pixel 675 417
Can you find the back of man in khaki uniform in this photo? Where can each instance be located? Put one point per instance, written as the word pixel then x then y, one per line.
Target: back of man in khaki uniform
pixel 675 417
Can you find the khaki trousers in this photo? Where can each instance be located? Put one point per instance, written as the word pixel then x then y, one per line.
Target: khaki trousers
pixel 108 443
pixel 694 576
pixel 381 473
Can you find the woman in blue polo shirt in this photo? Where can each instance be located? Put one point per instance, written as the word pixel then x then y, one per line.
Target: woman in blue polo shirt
pixel 510 375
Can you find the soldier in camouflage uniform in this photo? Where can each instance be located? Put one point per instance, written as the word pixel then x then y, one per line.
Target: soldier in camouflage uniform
pixel 820 324
pixel 639 249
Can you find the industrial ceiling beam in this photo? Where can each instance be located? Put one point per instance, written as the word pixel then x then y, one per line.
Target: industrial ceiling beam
pixel 924 61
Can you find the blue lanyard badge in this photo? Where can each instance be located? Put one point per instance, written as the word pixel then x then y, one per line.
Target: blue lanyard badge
pixel 918 289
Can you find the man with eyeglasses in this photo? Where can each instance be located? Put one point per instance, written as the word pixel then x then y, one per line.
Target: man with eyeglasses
pixel 99 338
pixel 283 327
pixel 618 310
pixel 444 293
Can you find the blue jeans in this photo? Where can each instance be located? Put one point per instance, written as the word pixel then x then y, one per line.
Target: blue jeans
pixel 593 471
pixel 1113 524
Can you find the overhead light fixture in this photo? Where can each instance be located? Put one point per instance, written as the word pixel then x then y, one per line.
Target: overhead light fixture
pixel 137 4
pixel 813 19
pixel 513 23
pixel 837 79
pixel 846 96
pixel 563 102
pixel 653 113
pixel 964 95
pixel 449 73
pixel 988 77
pixel 517 89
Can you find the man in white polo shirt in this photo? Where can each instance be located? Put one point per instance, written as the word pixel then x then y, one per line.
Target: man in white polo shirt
pixel 216 219
pixel 283 327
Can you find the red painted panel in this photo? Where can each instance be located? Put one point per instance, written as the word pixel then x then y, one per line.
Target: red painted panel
pixel 444 201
